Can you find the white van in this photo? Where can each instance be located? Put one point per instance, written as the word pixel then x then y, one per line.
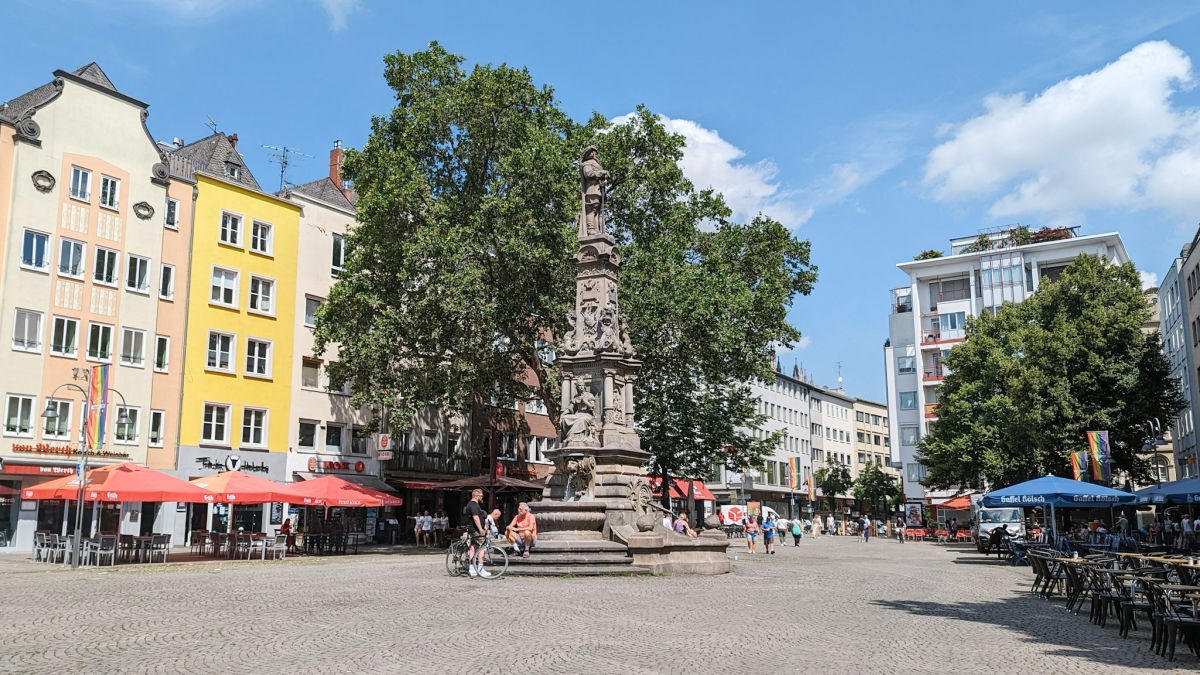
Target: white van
pixel 987 520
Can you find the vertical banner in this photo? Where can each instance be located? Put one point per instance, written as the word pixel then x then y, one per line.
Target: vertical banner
pixel 1079 463
pixel 97 406
pixel 1098 445
pixel 794 467
pixel 812 491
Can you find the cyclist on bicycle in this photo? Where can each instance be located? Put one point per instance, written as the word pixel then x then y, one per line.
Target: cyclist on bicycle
pixel 473 521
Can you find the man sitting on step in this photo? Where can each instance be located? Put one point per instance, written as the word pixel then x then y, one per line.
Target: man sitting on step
pixel 522 531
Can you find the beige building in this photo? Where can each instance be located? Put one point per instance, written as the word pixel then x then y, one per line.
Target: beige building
pixel 871 441
pixel 90 241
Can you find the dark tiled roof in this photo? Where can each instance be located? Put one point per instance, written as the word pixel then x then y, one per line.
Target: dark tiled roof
pixel 16 107
pixel 92 73
pixel 325 190
pixel 212 155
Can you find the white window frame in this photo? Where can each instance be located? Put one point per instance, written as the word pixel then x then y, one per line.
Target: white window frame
pixel 110 192
pixel 910 396
pixel 166 282
pixel 135 357
pixel 81 184
pixel 28 414
pixel 207 420
pixel 263 245
pixel 310 318
pixel 229 232
pixel 57 428
pixel 134 425
pixel 249 427
pixel 171 214
pixel 158 424
pixel 341 438
pixel 161 366
pixel 224 287
pixel 909 434
pixel 230 353
pixel 30 339
pixel 316 426
pixel 77 252
pixel 304 363
pixel 142 263
pixel 114 258
pixel 104 328
pixel 338 258
pixel 254 354
pixel 64 321
pixel 31 264
pixel 255 296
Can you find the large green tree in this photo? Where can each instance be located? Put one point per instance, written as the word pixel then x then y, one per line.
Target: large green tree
pixel 876 489
pixel 1029 382
pixel 833 479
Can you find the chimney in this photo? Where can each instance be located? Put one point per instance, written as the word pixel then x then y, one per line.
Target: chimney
pixel 177 142
pixel 335 164
pixel 233 140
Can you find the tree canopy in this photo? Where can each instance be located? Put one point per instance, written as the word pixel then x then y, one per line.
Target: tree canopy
pixel 876 488
pixel 1027 383
pixel 833 479
pixel 458 278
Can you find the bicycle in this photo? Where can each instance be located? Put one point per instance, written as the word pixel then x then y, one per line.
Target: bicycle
pixel 495 558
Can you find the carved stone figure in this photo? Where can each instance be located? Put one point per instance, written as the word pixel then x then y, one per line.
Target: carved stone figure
pixel 570 344
pixel 626 342
pixel 580 470
pixel 641 496
pixel 587 332
pixel 606 331
pixel 594 177
pixel 579 425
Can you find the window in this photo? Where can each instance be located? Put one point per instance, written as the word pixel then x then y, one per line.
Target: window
pixel 105 270
pixel 33 251
pixel 19 413
pixel 220 351
pixel 231 229
pixel 333 438
pixel 110 189
pixel 137 274
pixel 63 337
pixel 27 331
pixel 258 358
pixel 908 400
pixel 70 258
pixel 171 214
pixel 254 426
pixel 311 305
pixel 308 435
pixel 360 441
pixel 909 435
pixel 339 255
pixel 99 342
pixel 157 422
pixel 233 170
pixel 224 287
pixel 215 428
pixel 260 237
pixel 954 320
pixel 127 434
pixel 915 471
pixel 262 295
pixel 906 364
pixel 81 183
pixel 310 373
pixel 166 282
pixel 162 352
pixel 133 347
pixel 58 427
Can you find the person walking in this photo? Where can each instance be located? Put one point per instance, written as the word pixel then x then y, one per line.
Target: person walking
pixel 901 526
pixel 830 528
pixel 750 527
pixel 768 530
pixel 866 529
pixel 797 530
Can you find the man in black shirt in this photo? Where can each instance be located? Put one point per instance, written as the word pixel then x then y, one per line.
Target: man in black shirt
pixel 473 519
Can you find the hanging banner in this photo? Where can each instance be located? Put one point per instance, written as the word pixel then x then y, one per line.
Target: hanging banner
pixel 1079 463
pixel 1098 446
pixel 794 467
pixel 97 406
pixel 812 490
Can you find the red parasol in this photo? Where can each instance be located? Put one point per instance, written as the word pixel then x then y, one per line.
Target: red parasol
pixel 334 491
pixel 126 482
pixel 235 487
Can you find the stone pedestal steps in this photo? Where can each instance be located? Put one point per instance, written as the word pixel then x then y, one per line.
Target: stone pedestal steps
pixel 575 557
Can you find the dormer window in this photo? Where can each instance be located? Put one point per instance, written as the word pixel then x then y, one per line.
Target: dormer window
pixel 233 170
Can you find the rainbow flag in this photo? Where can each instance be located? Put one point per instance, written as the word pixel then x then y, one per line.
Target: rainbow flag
pixel 1079 463
pixel 97 406
pixel 1098 445
pixel 794 466
pixel 812 491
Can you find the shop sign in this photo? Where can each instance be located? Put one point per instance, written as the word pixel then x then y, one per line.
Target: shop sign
pixel 64 450
pixel 386 455
pixel 383 441
pixel 325 465
pixel 232 463
pixel 38 470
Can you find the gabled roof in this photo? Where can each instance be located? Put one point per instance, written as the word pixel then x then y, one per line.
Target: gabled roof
pixel 325 190
pixel 94 74
pixel 18 106
pixel 212 155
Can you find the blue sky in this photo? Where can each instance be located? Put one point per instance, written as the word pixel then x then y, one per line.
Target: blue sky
pixel 875 129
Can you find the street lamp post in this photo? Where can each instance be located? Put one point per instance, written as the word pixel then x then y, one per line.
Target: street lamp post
pixel 1154 438
pixel 51 412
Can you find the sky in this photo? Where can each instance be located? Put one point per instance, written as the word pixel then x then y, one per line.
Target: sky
pixel 875 130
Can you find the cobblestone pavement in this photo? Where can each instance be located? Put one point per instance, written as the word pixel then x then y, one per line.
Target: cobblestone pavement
pixel 833 605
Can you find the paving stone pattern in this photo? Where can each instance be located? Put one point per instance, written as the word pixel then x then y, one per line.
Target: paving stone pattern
pixel 833 605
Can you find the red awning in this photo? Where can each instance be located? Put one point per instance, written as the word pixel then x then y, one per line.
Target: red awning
pixel 959 503
pixel 126 482
pixel 679 489
pixel 235 487
pixel 335 491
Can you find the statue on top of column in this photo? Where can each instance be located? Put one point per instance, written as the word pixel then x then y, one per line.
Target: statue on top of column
pixel 594 178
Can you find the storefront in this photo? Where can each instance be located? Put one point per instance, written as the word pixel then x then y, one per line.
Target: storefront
pixel 197 462
pixel 376 523
pixel 20 518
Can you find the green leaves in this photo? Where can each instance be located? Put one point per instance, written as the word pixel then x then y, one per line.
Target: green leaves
pixel 833 479
pixel 875 487
pixel 1029 382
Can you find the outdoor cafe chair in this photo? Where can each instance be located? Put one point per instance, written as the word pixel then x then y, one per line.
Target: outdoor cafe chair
pixel 160 545
pixel 257 544
pixel 278 548
pixel 199 541
pixel 219 540
pixel 52 549
pixel 39 546
pixel 104 547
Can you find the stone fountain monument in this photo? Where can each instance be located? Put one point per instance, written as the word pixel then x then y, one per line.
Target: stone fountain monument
pixel 597 513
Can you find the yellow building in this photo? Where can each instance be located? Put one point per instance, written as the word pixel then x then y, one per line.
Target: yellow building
pixel 240 329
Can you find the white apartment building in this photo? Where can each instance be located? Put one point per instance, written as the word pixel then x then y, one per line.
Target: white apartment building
pixel 836 427
pixel 871 440
pixel 929 313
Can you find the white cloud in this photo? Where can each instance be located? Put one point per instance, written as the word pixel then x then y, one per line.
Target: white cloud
pixel 339 11
pixel 1149 280
pixel 1109 138
pixel 802 343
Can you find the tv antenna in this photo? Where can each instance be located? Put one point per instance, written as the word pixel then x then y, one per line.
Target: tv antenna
pixel 211 124
pixel 284 156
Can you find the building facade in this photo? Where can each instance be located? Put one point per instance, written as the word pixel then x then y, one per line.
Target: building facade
pixel 871 440
pixel 1184 352
pixel 929 314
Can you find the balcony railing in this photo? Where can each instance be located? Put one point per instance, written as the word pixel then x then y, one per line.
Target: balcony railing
pixel 933 373
pixel 902 300
pixel 931 411
pixel 421 462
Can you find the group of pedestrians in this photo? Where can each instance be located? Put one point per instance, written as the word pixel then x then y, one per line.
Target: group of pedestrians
pixel 521 531
pixel 430 530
